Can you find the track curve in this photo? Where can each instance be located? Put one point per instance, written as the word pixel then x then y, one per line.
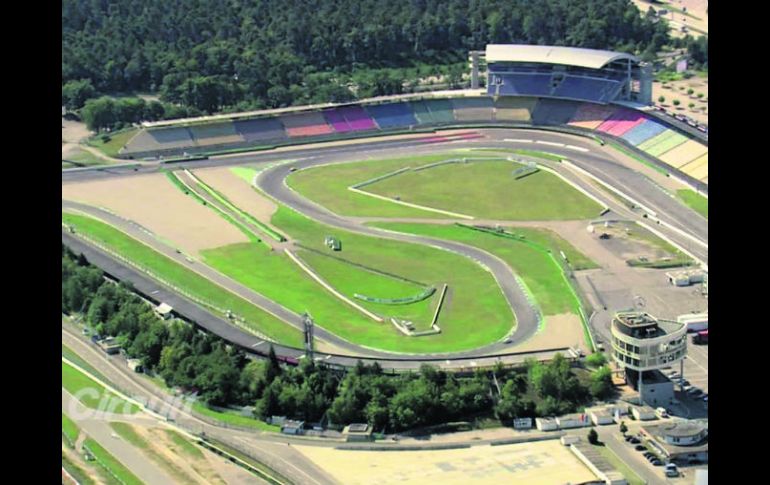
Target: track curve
pixel 272 181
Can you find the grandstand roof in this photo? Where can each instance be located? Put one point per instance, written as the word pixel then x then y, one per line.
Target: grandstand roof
pixel 571 56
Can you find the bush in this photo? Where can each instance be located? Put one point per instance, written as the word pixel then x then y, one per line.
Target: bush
pixel 623 427
pixel 676 102
pixel 661 99
pixel 690 91
pixel 593 437
pixel 597 359
pixel 691 105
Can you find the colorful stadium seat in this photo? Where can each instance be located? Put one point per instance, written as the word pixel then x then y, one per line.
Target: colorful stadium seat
pixel 261 129
pixel 392 115
pixel 306 124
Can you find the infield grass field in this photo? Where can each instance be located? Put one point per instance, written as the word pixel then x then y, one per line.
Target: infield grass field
pixel 695 201
pixel 477 301
pixel 488 190
pixel 483 189
pixel 184 278
pixel 540 273
pixel 328 186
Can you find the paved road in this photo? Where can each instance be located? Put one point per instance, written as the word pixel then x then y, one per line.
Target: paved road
pixel 100 430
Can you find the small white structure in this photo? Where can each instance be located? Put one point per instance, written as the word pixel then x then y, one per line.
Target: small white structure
pixel 546 424
pixel 135 365
pixel 644 413
pixel 164 311
pixel 601 416
pixel 573 421
pixel 685 278
pixel 695 322
pixel 570 440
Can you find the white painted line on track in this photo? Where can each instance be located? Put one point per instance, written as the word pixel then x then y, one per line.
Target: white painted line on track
pixel 550 143
pixel 573 147
pixel 519 140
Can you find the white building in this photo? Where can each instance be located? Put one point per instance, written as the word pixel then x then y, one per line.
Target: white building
pixel 641 346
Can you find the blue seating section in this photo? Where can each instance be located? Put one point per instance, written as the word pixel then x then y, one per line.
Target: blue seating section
pixel 392 115
pixel 590 89
pixel 643 132
pixel 530 84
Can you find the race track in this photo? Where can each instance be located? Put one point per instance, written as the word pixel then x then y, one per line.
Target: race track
pixel 678 223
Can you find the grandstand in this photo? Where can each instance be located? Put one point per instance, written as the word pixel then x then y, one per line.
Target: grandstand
pixel 306 124
pixel 553 112
pixel 260 129
pixel 590 116
pixel 621 121
pixel 515 109
pixel 441 110
pixel 643 131
pixel 337 121
pixel 211 134
pixel 567 73
pixel 568 88
pixel 473 109
pixel 357 118
pixel 161 139
pixel 392 115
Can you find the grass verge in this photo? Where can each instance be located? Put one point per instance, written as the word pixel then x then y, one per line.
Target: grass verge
pixel 234 418
pixel 111 464
pixel 128 433
pixel 186 279
pixel 116 141
pixel 695 201
pixel 92 394
pixel 69 429
pixel 620 465
pixel 617 146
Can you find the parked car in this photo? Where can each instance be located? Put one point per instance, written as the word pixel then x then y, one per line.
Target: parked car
pixel 634 440
pixel 656 462
pixel 628 438
pixel 684 382
pixel 640 448
pixel 671 470
pixel 695 392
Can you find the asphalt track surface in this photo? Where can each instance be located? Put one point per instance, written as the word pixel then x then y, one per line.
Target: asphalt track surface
pixel 599 161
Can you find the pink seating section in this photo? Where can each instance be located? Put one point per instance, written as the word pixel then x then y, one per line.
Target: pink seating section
pixel 306 124
pixel 621 121
pixel 337 121
pixel 357 118
pixel 590 115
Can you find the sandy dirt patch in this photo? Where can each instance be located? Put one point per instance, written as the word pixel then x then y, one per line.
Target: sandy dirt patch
pixel 237 191
pixel 156 204
pixel 678 90
pixel 563 330
pixel 535 463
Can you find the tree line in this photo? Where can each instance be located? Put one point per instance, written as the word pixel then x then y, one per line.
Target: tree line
pixel 232 54
pixel 222 375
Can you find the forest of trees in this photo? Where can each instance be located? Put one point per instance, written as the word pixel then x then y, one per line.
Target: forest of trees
pixel 216 55
pixel 222 375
